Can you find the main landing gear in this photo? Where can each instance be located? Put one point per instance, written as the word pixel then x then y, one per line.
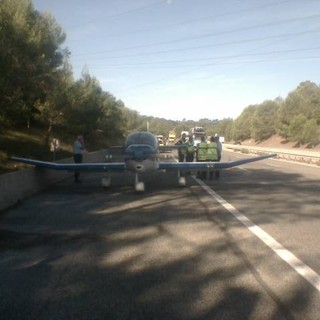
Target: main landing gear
pixel 181 180
pixel 106 181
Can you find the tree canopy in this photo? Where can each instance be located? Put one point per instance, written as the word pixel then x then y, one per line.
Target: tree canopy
pixel 37 87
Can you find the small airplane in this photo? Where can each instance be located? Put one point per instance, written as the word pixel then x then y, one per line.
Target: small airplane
pixel 141 154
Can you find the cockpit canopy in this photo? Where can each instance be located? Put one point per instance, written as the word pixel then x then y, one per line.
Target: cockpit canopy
pixel 141 138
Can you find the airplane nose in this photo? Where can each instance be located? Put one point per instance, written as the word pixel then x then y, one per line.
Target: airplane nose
pixel 139 167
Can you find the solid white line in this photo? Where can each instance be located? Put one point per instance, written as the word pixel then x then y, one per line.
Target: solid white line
pixel 301 268
pixel 243 169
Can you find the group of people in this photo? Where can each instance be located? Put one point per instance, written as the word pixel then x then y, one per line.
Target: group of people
pixel 202 152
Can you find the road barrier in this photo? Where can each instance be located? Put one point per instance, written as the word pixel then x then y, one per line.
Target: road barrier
pixel 301 156
pixel 19 185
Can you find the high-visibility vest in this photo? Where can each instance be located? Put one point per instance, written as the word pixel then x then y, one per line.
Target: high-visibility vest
pixel 212 152
pixel 183 146
pixel 202 151
pixel 190 147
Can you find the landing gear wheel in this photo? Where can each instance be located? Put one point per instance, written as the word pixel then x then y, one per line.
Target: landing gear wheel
pixel 106 182
pixel 139 187
pixel 182 181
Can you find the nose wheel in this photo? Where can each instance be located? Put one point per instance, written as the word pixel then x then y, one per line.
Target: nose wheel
pixel 182 181
pixel 106 182
pixel 138 185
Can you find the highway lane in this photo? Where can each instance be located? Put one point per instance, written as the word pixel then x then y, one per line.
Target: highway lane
pixel 78 251
pixel 283 198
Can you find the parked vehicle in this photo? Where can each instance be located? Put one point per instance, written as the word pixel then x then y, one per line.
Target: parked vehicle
pixel 172 137
pixel 160 139
pixel 197 133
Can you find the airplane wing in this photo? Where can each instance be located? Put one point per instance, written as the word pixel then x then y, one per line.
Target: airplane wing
pixel 116 166
pixel 120 166
pixel 207 165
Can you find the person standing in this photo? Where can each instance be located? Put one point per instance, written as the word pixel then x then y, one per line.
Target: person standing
pixel 213 155
pixel 78 149
pixel 201 156
pixel 217 139
pixel 190 151
pixel 182 151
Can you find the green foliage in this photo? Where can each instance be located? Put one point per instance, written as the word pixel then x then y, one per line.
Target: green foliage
pixel 263 121
pixel 37 89
pixel 86 103
pixel 132 119
pixel 296 118
pixel 310 133
pixel 243 124
pixel 30 54
pixel 301 105
pixel 296 127
pixel 112 123
pixel 303 130
pixel 222 127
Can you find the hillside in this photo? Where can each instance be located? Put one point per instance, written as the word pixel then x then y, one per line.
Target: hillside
pixel 30 143
pixel 278 142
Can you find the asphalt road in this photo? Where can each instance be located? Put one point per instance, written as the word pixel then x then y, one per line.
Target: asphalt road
pixel 245 246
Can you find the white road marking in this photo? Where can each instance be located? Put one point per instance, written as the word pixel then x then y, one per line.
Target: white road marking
pixel 243 169
pixel 300 267
pixel 273 165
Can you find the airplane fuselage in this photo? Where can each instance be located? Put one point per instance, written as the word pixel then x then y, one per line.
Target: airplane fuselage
pixel 147 165
pixel 141 152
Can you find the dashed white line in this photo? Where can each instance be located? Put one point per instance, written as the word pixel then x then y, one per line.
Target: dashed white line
pixel 300 267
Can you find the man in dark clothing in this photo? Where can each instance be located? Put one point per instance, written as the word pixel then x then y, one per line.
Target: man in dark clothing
pixel 183 148
pixel 78 149
pixel 190 150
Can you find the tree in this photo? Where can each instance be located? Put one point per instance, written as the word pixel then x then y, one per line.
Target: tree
pixel 53 109
pixel 225 128
pixel 112 124
pixel 94 112
pixel 296 128
pixel 30 54
pixel 243 124
pixel 132 119
pixel 310 133
pixel 304 101
pixel 222 127
pixel 86 105
pixel 264 120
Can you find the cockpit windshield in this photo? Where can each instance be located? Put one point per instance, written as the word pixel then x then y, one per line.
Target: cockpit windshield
pixel 141 138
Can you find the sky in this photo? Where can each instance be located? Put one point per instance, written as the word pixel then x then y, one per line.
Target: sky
pixel 192 59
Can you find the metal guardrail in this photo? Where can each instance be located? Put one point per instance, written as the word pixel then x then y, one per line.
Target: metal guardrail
pixel 301 156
